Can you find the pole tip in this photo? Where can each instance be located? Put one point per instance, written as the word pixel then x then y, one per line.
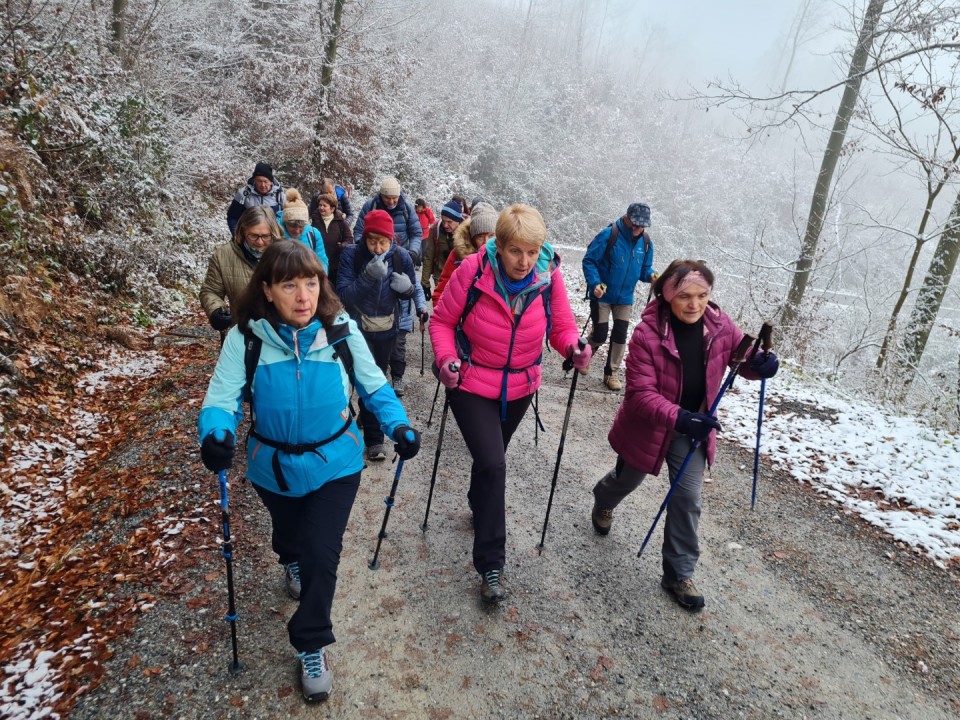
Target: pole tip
pixel 236 667
pixel 373 565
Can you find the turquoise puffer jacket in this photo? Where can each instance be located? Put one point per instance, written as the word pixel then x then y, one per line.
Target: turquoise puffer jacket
pixel 300 396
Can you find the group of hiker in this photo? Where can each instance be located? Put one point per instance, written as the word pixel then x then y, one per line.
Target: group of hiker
pixel 311 312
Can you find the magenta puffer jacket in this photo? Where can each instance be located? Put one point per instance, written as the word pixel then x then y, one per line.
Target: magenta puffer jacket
pixel 496 342
pixel 643 428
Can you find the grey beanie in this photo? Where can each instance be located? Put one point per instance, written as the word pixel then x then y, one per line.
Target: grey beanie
pixel 483 219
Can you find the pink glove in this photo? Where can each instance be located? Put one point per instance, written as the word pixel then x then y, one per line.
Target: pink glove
pixel 580 355
pixel 450 373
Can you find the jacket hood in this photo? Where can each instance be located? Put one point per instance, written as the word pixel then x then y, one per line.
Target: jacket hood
pixel 462 244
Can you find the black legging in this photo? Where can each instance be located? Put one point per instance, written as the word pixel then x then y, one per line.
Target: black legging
pixel 487 439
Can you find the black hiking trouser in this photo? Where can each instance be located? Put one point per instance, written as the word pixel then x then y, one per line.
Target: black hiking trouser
pixel 487 439
pixel 380 349
pixel 309 530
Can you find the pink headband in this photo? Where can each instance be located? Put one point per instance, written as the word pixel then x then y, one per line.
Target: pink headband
pixel 674 287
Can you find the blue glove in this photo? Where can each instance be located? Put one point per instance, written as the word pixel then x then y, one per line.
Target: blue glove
pixel 765 364
pixel 408 442
pixel 696 426
pixel 216 451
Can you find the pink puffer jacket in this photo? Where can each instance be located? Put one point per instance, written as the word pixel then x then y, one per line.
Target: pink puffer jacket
pixel 643 428
pixel 490 326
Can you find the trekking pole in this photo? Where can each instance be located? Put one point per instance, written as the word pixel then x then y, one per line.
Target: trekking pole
pixel 766 331
pixel 567 365
pixel 423 346
pixel 737 359
pixel 374 564
pixel 227 551
pixel 536 418
pixel 434 405
pixel 436 458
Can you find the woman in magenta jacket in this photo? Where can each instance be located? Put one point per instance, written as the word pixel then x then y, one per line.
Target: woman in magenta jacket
pixel 677 358
pixel 488 336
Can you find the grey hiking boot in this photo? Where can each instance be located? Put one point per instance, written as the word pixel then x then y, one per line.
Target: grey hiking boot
pixel 291 577
pixel 377 452
pixel 398 387
pixel 492 589
pixel 684 592
pixel 316 678
pixel 602 519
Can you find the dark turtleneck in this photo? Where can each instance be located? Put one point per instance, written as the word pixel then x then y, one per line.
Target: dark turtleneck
pixel 689 341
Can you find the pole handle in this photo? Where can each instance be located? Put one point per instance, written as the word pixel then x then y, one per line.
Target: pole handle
pixel 766 336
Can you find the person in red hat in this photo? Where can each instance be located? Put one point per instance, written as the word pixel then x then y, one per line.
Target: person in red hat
pixel 375 276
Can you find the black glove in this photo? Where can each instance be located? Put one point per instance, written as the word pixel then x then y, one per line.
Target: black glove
pixel 426 290
pixel 696 426
pixel 415 256
pixel 216 451
pixel 221 319
pixel 408 442
pixel 765 364
pixel 424 317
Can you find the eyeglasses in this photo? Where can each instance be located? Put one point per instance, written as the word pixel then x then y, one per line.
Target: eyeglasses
pixel 259 238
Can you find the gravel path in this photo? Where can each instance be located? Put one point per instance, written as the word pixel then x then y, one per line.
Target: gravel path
pixel 810 612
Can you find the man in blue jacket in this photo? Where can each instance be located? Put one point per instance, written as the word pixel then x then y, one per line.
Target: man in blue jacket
pixel 617 258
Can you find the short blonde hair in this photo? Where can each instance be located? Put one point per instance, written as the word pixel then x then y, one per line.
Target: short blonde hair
pixel 521 223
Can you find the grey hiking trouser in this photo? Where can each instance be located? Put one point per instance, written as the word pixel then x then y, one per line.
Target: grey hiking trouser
pixel 681 549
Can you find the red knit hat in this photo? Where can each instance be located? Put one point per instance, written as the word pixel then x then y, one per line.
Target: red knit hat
pixel 379 222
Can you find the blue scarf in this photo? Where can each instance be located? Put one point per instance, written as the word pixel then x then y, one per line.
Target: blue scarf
pixel 514 286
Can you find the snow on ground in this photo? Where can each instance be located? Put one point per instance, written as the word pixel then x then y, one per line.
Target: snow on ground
pixel 895 472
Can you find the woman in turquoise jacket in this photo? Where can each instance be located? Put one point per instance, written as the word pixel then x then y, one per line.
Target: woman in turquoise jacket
pixel 304 452
pixel 295 223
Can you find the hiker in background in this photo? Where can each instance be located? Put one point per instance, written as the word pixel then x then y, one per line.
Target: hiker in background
pixel 261 189
pixel 333 228
pixel 617 258
pixel 424 214
pixel 437 244
pixel 488 335
pixel 295 222
pixel 376 276
pixel 470 236
pixel 678 356
pixel 406 226
pixel 304 456
pixel 329 187
pixel 231 265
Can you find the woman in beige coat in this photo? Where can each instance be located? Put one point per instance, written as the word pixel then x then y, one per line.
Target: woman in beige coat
pixel 231 265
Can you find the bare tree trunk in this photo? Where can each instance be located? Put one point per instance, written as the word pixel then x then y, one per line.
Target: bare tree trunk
pixel 330 54
pixel 831 156
pixel 118 27
pixel 932 195
pixel 799 24
pixel 930 297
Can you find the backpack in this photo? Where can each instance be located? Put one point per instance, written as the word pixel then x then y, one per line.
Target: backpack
pixel 612 240
pixel 462 342
pixel 253 345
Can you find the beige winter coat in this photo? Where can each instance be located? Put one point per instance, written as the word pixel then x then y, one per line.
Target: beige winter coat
pixel 228 274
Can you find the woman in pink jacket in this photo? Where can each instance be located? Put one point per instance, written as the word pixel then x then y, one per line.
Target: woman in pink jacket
pixel 488 335
pixel 677 358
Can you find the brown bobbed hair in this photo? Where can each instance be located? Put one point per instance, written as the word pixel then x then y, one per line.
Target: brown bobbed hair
pixel 285 260
pixel 254 216
pixel 329 198
pixel 677 271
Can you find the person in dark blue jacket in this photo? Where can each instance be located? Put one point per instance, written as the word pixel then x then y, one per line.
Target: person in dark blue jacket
pixel 376 276
pixel 618 258
pixel 261 189
pixel 406 225
pixel 304 452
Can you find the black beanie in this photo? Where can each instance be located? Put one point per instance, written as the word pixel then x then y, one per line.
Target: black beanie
pixel 264 170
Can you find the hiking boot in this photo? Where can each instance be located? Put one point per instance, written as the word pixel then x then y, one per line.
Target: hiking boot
pixel 291 576
pixel 612 382
pixel 316 678
pixel 684 592
pixel 398 386
pixel 377 452
pixel 602 519
pixel 492 588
